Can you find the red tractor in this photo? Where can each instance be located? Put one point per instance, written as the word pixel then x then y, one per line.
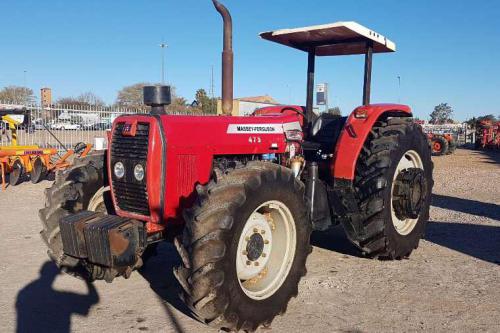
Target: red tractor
pixel 240 196
pixel 442 144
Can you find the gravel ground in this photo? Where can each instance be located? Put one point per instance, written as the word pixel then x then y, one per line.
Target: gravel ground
pixel 450 283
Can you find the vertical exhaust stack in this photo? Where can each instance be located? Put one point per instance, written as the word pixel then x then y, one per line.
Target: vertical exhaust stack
pixel 227 59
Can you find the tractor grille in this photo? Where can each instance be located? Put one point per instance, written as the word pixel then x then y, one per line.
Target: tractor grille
pixel 131 195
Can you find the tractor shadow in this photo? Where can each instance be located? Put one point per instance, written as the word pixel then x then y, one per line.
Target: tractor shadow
pixel 158 271
pixel 41 308
pixel 478 241
pixel 467 206
pixel 335 239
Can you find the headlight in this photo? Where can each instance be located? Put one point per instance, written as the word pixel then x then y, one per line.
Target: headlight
pixel 119 170
pixel 139 172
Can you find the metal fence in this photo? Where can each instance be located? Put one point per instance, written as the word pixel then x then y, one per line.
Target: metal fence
pixel 59 126
pixel 461 131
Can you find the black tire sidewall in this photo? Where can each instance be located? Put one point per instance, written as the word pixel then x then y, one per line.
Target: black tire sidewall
pixel 271 189
pixel 416 141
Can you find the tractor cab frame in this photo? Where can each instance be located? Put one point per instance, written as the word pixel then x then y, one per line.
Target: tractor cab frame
pixel 336 39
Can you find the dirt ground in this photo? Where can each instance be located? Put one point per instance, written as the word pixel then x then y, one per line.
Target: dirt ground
pixel 451 282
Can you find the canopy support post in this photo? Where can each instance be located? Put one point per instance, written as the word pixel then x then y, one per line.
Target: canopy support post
pixel 368 73
pixel 311 64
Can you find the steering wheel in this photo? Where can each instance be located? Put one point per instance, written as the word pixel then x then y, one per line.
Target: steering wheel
pixel 289 108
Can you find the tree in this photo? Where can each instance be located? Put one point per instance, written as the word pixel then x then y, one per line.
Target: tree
pixel 132 96
pixel 205 103
pixel 86 99
pixel 442 114
pixel 335 111
pixel 17 95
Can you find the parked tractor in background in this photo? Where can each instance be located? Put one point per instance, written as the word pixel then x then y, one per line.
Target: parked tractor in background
pixel 241 195
pixel 487 135
pixel 442 144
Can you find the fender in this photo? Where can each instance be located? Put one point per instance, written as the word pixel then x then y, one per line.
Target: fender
pixel 353 137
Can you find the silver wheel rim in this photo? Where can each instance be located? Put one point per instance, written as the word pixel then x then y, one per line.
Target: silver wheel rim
pixel 96 204
pixel 410 159
pixel 272 226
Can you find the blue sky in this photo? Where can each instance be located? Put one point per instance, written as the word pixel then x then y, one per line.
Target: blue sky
pixel 448 51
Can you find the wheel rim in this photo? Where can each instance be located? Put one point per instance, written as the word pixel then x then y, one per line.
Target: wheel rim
pixel 410 159
pixel 266 250
pixel 97 203
pixel 437 147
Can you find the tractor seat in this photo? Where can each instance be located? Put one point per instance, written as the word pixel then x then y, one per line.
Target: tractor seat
pixel 325 132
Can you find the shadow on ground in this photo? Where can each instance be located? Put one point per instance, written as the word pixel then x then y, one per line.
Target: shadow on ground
pixel 473 207
pixel 334 239
pixel 479 241
pixel 492 155
pixel 158 271
pixel 40 308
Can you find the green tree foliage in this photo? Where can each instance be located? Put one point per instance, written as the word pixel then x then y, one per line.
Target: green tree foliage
pixel 131 97
pixel 17 95
pixel 87 99
pixel 472 122
pixel 205 103
pixel 442 114
pixel 335 111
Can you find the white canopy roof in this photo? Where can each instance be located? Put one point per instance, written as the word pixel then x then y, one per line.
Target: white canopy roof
pixel 341 38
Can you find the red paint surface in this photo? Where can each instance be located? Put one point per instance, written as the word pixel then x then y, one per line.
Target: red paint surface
pixel 191 144
pixel 348 147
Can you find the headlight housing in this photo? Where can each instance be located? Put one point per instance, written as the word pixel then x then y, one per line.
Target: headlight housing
pixel 139 172
pixel 119 170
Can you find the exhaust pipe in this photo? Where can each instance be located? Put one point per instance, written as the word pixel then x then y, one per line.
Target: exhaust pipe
pixel 227 59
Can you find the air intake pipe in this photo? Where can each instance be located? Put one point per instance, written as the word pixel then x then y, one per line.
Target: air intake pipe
pixel 157 97
pixel 227 59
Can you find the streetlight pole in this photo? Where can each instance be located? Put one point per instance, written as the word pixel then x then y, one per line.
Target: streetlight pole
pixel 24 77
pixel 163 46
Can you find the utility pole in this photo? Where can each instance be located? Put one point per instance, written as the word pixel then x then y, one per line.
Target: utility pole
pixel 212 92
pixel 163 46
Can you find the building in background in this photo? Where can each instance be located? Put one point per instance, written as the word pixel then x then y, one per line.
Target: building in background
pixel 46 97
pixel 247 105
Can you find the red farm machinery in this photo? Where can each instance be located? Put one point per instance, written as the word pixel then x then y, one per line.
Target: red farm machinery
pixel 240 196
pixel 487 135
pixel 442 144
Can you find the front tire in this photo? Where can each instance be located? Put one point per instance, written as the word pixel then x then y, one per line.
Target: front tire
pixel 245 246
pixel 393 185
pixel 75 189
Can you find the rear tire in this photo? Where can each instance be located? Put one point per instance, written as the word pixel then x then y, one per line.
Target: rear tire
pixel 439 145
pixel 215 263
pixel 393 154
